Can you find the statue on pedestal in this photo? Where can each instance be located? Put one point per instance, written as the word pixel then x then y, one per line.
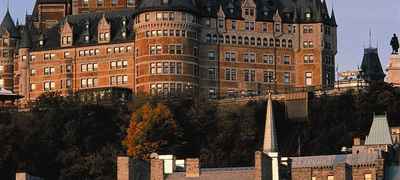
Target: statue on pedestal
pixel 395 44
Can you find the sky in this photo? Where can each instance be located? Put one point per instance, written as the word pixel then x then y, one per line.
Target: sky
pixel 355 19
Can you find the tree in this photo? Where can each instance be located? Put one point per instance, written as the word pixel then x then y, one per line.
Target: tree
pixel 152 129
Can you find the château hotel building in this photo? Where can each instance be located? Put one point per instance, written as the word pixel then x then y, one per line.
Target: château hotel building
pixel 214 48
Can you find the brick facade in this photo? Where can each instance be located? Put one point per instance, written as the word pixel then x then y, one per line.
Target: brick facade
pixel 171 51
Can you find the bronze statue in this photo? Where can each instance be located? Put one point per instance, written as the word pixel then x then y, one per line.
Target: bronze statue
pixel 395 44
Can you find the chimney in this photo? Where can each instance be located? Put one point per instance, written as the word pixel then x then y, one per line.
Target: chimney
pixel 123 164
pixel 192 168
pixel 262 166
pixel 356 141
pixel 156 169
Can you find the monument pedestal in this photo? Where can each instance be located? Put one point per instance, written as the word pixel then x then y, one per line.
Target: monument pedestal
pixel 393 70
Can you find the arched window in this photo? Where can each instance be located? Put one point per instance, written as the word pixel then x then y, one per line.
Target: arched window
pixel 271 42
pixel 277 43
pixel 209 38
pixel 233 39
pixel 227 39
pixel 246 40
pixel 258 41
pixel 253 41
pixel 265 42
pixel 221 39
pixel 290 44
pixel 284 43
pixel 240 40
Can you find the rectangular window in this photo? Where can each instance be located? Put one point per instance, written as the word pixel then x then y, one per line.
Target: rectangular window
pixel 234 25
pixel 268 59
pixel 212 73
pixel 269 76
pixel 331 177
pixel 1 83
pixel 249 57
pixel 286 77
pixel 230 74
pixel 33 87
pixel 308 59
pixel 368 177
pixel 249 75
pixel 286 59
pixel 1 69
pixel 211 55
pixel 308 79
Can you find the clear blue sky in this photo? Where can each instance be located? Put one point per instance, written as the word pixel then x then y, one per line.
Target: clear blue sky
pixel 354 17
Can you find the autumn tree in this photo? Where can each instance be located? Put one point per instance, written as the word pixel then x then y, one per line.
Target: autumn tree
pixel 152 129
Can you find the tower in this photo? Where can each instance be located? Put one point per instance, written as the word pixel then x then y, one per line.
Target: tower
pixel 371 65
pixel 8 42
pixel 270 146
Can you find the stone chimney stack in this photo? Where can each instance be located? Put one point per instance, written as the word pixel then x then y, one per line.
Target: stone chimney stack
pixel 156 169
pixel 192 168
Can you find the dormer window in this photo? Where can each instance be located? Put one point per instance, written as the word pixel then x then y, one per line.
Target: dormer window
pixel 265 13
pixel 246 12
pixel 41 43
pixel 251 12
pixel 87 38
pixel 165 1
pixel 124 22
pixel 124 34
pixel 231 10
pixel 308 15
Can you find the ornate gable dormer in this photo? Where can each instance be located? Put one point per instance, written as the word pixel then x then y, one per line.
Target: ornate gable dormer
pixel 277 22
pixel 249 9
pixel 104 30
pixel 66 34
pixel 221 19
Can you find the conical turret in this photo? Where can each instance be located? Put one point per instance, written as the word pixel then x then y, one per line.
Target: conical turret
pixel 7 25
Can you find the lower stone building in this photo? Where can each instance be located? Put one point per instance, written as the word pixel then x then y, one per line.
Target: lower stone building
pixel 372 158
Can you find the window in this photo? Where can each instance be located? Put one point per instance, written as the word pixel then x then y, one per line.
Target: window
pixel 286 77
pixel 49 71
pixel 250 57
pixel 331 178
pixel 212 93
pixel 130 2
pixel 1 83
pixel 234 25
pixel 175 49
pixel 195 51
pixel 88 82
pixel 68 68
pixel 50 85
pixel 249 75
pixel 308 29
pixel 33 72
pixel 313 178
pixel 278 27
pixel 1 69
pixel 212 73
pixel 89 67
pixel 230 56
pixel 211 55
pixel 230 74
pixel 290 44
pixel 49 56
pixel 308 79
pixel 221 23
pixel 286 59
pixel 308 59
pixel 100 2
pixel 265 27
pixel 308 44
pixel 33 87
pixel 367 177
pixel 269 76
pixel 249 26
pixel 85 2
pixel 268 59
pixel 114 2
pixel 118 80
pixel 166 68
pixel 155 49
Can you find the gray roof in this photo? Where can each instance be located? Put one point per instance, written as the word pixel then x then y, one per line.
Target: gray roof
pixel 7 25
pixel 183 5
pixel 379 133
pixel 371 65
pixel 333 160
pixel 78 22
pixel 217 174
